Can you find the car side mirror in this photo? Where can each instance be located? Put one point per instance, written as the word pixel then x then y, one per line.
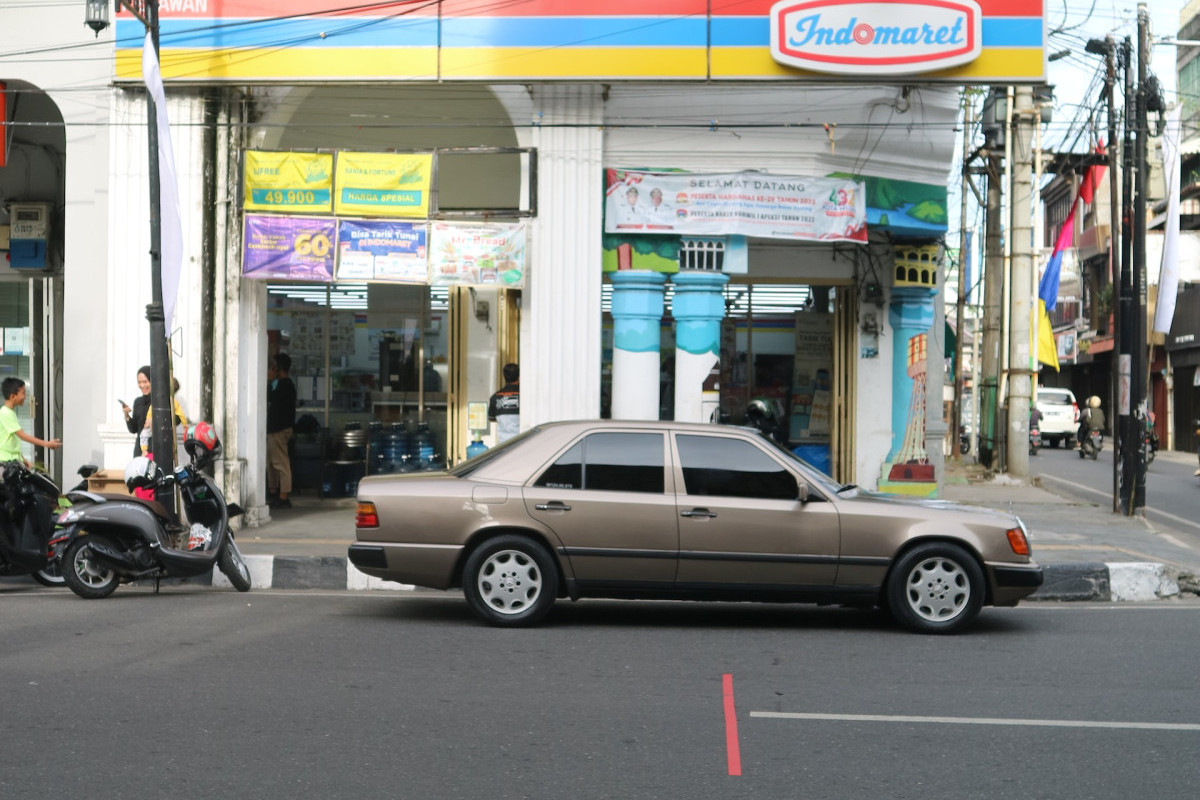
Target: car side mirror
pixel 803 495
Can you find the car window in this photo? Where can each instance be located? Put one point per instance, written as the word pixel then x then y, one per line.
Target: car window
pixel 720 466
pixel 615 462
pixel 1054 399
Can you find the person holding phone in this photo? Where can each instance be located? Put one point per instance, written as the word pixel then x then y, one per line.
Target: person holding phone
pixel 135 418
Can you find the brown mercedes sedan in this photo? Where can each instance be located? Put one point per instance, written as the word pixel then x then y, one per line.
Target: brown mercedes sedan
pixel 674 510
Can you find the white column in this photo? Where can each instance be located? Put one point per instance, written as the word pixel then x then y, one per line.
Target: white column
pixel 560 313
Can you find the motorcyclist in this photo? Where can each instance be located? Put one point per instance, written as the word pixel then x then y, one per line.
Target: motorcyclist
pixel 1091 419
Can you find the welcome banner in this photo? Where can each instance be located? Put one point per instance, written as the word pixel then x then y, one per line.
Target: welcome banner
pixel 743 203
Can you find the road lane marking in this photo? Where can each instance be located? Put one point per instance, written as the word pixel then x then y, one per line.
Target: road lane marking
pixel 733 753
pixel 1032 723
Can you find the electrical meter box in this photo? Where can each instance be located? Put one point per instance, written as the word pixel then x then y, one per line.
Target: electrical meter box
pixel 29 232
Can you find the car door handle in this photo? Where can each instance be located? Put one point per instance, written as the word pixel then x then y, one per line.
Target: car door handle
pixel 555 506
pixel 698 512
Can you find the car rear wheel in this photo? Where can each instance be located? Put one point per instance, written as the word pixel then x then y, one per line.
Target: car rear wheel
pixel 510 581
pixel 935 588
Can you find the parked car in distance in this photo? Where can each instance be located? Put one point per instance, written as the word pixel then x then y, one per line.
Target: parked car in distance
pixel 607 508
pixel 1060 415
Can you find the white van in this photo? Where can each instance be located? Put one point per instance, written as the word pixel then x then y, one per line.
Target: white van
pixel 1060 415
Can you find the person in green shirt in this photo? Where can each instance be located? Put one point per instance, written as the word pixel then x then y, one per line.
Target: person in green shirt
pixel 11 434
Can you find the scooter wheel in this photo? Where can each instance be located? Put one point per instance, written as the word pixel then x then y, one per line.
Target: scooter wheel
pixel 233 566
pixel 50 575
pixel 84 573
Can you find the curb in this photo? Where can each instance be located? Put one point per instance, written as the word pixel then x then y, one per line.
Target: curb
pixel 1106 582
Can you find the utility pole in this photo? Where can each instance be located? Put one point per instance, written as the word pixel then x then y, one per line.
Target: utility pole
pixel 1138 366
pixel 1020 283
pixel 993 291
pixel 1123 302
pixel 1114 252
pixel 163 432
pixel 959 328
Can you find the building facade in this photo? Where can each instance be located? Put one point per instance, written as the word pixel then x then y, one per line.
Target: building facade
pixel 530 128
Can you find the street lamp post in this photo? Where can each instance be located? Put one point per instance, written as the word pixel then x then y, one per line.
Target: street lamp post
pixel 163 433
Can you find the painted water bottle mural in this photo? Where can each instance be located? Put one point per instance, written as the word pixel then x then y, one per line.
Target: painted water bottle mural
pixel 908 469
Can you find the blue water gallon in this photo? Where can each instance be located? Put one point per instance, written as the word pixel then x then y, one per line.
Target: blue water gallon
pixel 475 448
pixel 421 445
pixel 815 454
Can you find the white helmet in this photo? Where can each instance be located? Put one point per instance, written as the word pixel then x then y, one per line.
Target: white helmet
pixel 141 472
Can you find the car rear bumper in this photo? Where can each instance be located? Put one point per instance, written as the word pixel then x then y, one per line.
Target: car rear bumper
pixel 431 566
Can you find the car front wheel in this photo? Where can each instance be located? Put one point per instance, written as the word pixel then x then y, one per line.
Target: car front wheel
pixel 935 588
pixel 510 581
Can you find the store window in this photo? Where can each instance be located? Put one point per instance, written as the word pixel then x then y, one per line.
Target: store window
pixel 371 366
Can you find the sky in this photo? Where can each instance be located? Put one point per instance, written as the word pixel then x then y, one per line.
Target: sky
pixel 1071 23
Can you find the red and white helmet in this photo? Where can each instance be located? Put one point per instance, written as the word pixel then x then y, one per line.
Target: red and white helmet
pixel 201 440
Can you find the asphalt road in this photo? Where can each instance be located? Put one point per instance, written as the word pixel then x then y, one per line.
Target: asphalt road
pixel 201 693
pixel 1172 490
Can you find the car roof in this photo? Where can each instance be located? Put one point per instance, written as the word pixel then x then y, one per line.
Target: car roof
pixel 1051 390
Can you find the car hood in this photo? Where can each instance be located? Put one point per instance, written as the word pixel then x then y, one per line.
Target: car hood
pixel 905 501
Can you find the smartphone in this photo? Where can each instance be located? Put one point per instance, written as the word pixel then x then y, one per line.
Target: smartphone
pixel 122 402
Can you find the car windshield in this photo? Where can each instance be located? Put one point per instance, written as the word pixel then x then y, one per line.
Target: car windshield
pixel 813 474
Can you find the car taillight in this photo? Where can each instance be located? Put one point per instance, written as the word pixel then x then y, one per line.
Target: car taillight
pixel 1017 541
pixel 1075 410
pixel 366 517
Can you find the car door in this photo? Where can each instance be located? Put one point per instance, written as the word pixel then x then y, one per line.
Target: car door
pixel 741 522
pixel 610 500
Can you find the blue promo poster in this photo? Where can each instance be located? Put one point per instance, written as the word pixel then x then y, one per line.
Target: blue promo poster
pixel 382 250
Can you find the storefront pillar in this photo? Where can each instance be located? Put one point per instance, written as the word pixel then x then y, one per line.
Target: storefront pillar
pixel 637 309
pixel 698 307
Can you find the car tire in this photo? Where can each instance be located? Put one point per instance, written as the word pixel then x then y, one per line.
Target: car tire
pixel 935 588
pixel 510 581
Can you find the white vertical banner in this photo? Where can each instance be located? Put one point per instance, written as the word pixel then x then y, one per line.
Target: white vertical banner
pixel 171 225
pixel 1168 277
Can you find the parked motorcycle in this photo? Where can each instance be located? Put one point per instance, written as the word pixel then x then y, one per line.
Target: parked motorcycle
pixel 1092 444
pixel 112 539
pixel 27 503
pixel 1035 440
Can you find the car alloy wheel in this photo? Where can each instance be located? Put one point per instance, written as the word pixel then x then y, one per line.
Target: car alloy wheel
pixel 935 588
pixel 510 581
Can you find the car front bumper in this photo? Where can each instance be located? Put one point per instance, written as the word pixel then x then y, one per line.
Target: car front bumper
pixel 1014 582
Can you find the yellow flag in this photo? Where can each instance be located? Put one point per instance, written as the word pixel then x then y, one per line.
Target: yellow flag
pixel 1047 350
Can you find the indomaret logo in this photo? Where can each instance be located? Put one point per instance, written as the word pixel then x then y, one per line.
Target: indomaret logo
pixel 880 38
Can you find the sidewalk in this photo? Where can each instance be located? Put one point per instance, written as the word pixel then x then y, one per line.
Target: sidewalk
pixel 1088 552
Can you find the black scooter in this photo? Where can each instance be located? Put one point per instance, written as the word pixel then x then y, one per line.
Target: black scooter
pixel 112 538
pixel 27 546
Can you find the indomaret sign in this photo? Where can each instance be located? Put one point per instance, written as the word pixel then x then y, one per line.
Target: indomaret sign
pixel 856 38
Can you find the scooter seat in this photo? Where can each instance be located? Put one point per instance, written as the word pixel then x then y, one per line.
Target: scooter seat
pixel 155 507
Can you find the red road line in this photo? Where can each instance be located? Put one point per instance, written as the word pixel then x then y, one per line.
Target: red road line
pixel 733 753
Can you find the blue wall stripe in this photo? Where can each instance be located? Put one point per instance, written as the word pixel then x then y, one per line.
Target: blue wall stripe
pixel 505 32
